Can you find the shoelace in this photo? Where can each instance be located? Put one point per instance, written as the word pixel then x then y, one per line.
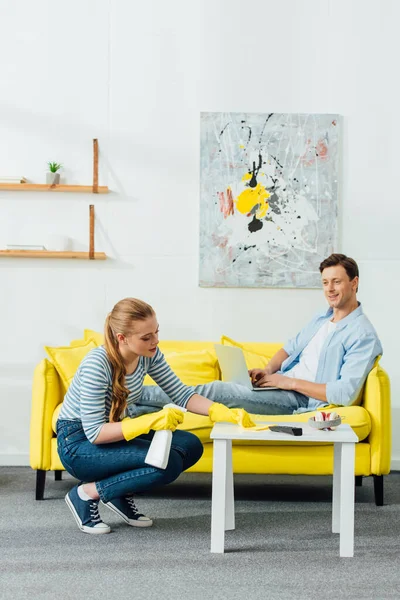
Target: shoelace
pixel 94 512
pixel 132 505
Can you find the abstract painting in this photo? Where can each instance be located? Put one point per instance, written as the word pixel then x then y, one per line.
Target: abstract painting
pixel 268 194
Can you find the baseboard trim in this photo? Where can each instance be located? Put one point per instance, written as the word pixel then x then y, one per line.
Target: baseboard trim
pixel 14 460
pixel 22 460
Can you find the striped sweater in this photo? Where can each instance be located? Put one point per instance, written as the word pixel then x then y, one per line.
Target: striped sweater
pixel 89 396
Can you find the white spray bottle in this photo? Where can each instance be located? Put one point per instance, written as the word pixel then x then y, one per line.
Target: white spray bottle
pixel 158 453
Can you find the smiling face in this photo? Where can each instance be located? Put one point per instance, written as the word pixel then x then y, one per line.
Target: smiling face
pixel 339 290
pixel 143 340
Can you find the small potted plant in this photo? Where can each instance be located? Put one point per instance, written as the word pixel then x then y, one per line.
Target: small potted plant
pixel 52 177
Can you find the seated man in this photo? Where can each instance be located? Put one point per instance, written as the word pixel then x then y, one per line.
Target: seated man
pixel 326 363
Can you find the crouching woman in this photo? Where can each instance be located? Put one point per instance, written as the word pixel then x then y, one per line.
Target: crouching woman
pixel 101 445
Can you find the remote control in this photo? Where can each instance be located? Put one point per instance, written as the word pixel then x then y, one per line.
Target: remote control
pixel 286 429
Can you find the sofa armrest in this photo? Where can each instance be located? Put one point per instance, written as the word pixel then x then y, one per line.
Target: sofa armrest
pixel 46 395
pixel 377 402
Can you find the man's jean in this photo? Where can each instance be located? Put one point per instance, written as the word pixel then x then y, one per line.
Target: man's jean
pixel 118 469
pixel 271 402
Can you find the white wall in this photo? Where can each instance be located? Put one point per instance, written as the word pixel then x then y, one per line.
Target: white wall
pixel 136 75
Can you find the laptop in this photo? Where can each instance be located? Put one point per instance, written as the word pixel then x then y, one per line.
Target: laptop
pixel 234 369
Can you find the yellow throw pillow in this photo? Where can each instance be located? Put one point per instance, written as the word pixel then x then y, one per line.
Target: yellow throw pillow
pixel 75 343
pixel 97 337
pixel 67 359
pixel 192 368
pixel 253 359
pixel 171 346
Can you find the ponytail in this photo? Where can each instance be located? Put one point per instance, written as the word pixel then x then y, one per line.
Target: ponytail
pixel 119 391
pixel 120 320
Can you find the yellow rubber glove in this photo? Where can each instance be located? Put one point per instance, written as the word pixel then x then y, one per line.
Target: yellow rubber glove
pixel 219 412
pixel 167 418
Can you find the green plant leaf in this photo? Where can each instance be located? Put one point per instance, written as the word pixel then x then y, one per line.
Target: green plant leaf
pixel 53 166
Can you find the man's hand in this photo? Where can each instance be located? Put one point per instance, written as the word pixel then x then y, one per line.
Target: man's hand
pixel 257 374
pixel 276 380
pixel 273 366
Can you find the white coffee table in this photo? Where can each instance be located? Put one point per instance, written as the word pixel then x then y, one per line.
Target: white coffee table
pixel 222 509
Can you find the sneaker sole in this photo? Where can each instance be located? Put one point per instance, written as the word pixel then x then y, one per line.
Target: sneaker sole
pixel 148 523
pixel 84 528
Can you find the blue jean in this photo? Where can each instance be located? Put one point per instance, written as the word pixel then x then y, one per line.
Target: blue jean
pixel 272 402
pixel 118 469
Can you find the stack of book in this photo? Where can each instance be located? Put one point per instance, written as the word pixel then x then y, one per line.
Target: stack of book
pixel 24 247
pixel 9 179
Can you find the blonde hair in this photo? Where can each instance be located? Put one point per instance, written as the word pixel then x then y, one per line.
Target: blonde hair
pixel 121 320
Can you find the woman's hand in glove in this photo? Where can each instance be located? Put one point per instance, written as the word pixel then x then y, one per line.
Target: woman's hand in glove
pixel 219 412
pixel 167 418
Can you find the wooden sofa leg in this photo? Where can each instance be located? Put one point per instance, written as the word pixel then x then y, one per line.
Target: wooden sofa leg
pixel 57 475
pixel 358 479
pixel 378 489
pixel 40 483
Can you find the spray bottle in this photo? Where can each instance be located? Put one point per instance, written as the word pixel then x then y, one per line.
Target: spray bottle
pixel 158 453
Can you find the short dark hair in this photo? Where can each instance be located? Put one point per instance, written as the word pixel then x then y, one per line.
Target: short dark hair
pixel 349 264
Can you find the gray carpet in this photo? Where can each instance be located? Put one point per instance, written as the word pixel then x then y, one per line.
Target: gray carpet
pixel 282 547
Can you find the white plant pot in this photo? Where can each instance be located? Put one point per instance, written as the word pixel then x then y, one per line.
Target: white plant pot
pixel 60 243
pixel 53 178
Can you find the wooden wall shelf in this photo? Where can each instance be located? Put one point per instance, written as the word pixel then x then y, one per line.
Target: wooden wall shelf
pixel 50 254
pixel 43 187
pixel 95 188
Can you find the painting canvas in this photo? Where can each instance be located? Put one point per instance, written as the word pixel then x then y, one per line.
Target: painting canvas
pixel 268 193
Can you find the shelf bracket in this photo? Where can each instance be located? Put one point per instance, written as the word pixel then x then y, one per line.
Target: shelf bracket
pixel 91 231
pixel 95 166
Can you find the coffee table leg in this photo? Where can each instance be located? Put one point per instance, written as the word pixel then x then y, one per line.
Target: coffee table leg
pixel 347 500
pixel 337 456
pixel 219 489
pixel 230 498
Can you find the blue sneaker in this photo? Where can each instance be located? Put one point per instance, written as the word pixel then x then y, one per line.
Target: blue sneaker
pixel 126 508
pixel 86 513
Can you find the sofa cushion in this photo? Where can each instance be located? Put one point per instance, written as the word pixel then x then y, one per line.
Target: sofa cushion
pixel 193 368
pixel 75 343
pixel 267 349
pixel 67 359
pixel 256 354
pixel 166 346
pixel 96 336
pixel 195 363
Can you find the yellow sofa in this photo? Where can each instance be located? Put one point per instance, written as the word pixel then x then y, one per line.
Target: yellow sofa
pixel 196 362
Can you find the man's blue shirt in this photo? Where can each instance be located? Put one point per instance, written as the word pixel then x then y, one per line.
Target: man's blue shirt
pixel 347 356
